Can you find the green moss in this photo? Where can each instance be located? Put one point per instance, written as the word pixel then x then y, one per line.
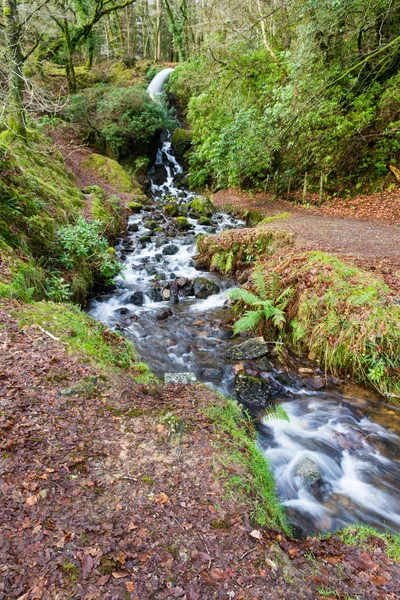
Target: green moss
pixel 204 221
pixel 135 207
pixel 202 207
pixel 83 335
pixel 243 467
pixel 111 171
pixel 181 136
pixel 171 210
pixel 182 223
pixel 96 190
pixel 71 570
pixel 252 217
pixel 279 217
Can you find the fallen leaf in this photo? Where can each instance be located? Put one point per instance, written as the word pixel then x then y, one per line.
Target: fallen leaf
pixel 161 498
pixel 130 586
pixel 120 574
pixel 216 573
pixel 31 500
pixel 257 535
pixel 103 580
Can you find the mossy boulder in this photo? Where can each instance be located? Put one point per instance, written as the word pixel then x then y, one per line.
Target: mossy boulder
pixel 96 190
pixel 204 221
pixel 182 223
pixel 202 207
pixel 145 239
pixel 171 210
pixel 181 141
pixel 203 287
pixel 253 217
pixel 135 207
pixel 112 172
pixel 152 225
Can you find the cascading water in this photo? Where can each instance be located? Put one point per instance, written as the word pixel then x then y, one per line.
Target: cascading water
pixel 334 465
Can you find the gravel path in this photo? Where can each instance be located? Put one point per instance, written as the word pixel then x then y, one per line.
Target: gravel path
pixel 365 239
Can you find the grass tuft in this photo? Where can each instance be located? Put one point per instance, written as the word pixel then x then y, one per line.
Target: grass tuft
pixel 243 467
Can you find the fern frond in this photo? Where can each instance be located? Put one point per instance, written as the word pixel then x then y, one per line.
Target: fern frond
pixel 249 321
pixel 277 412
pixel 257 278
pixel 278 318
pixel 274 285
pixel 229 261
pixel 244 295
pixel 283 299
pixel 218 262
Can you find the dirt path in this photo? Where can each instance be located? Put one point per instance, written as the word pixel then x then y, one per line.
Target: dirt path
pixel 355 237
pixel 99 499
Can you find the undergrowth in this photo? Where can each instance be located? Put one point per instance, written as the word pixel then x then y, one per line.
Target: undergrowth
pixel 230 251
pixel 242 466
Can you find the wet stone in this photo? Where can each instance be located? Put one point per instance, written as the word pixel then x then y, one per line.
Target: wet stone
pixel 137 298
pixel 185 378
pixel 163 315
pixel 203 287
pixel 308 470
pixel 170 250
pixel 266 365
pixel 252 391
pixel 248 350
pixel 314 383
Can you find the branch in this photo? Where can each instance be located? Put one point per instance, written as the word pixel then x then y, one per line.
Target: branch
pixel 32 50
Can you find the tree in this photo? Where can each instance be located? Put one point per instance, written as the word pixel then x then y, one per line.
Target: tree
pixel 90 12
pixel 14 33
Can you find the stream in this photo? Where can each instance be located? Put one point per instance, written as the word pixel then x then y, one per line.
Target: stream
pixel 336 461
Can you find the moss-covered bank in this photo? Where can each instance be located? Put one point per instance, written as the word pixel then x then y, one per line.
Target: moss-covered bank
pixel 55 239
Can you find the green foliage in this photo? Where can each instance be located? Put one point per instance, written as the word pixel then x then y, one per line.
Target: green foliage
pixel 242 465
pixel 87 250
pixel 327 103
pixel 123 117
pixel 109 213
pixel 265 309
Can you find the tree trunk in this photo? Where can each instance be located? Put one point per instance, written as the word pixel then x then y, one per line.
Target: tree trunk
pixel 158 32
pixel 15 60
pixel 69 63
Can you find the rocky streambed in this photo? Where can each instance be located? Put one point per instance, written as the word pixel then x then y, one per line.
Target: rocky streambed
pixel 335 456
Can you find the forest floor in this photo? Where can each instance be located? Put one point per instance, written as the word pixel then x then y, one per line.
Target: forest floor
pixel 100 498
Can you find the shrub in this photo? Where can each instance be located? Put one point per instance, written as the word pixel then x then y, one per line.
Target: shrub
pixel 87 250
pixel 125 117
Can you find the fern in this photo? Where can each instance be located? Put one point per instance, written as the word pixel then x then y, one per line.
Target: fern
pixel 277 412
pixel 229 262
pixel 242 294
pixel 218 262
pixel 266 304
pixel 257 278
pixel 249 321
